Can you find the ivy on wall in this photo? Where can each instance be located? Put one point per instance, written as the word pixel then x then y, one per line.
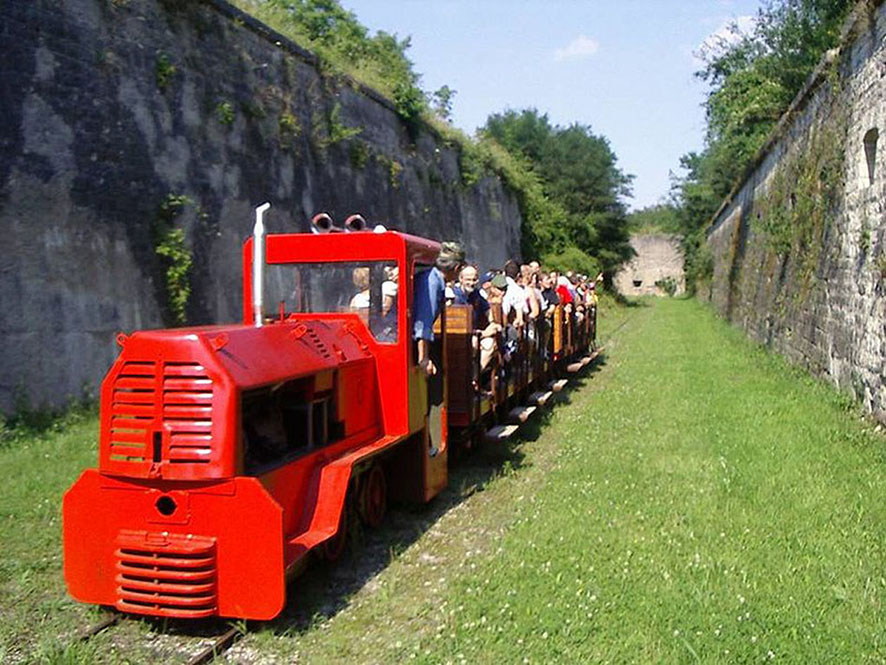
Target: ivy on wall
pixel 175 257
pixel 803 196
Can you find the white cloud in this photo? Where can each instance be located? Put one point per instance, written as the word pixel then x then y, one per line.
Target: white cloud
pixel 729 32
pixel 580 47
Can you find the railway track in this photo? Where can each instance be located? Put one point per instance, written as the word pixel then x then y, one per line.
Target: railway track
pixel 218 645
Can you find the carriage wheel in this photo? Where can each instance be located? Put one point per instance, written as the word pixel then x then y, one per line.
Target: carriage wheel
pixel 335 546
pixel 374 496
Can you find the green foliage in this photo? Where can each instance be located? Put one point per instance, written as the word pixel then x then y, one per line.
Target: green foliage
pixel 27 421
pixel 343 44
pixel 175 256
pixel 577 173
pixel 164 70
pixel 443 97
pixel 359 153
pixel 395 168
pixel 659 218
pixel 753 78
pixel 586 179
pixel 802 196
pixel 572 258
pixel 329 128
pixel 289 128
pixel 336 129
pixel 224 113
pixel 668 285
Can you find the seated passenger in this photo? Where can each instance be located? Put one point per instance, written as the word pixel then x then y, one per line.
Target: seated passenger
pixel 513 305
pixel 384 324
pixel 360 302
pixel 467 293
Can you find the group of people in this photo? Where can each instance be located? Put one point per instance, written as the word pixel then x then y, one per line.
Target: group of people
pixel 527 294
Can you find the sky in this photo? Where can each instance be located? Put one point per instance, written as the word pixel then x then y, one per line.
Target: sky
pixel 623 67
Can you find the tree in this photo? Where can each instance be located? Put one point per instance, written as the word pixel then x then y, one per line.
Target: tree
pixel 578 173
pixel 443 102
pixel 753 78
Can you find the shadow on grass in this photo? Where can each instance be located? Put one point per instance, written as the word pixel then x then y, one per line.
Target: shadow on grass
pixel 324 589
pixel 624 301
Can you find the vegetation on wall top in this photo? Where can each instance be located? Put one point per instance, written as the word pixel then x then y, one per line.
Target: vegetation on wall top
pixel 556 217
pixel 753 78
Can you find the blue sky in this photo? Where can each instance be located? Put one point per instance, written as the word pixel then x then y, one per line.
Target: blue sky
pixel 624 68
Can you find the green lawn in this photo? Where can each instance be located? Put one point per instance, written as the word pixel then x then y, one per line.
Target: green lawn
pixel 696 500
pixel 704 502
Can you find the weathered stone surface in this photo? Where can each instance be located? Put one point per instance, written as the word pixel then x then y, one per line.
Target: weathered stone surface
pixel 659 257
pixel 108 108
pixel 820 305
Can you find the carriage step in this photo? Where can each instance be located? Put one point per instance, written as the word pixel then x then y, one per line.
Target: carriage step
pixel 557 386
pixel 587 360
pixel 572 368
pixel 521 413
pixel 540 397
pixel 501 432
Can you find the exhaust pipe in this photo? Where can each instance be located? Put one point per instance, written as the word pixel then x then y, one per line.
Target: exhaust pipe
pixel 355 223
pixel 323 223
pixel 258 265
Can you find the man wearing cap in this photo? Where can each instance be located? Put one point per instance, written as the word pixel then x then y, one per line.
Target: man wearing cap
pixel 429 297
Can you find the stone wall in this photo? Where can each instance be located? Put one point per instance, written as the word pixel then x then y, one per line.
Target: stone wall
pixel 112 110
pixel 659 258
pixel 799 249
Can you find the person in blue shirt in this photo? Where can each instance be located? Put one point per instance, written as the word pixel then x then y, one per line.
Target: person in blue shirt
pixel 429 294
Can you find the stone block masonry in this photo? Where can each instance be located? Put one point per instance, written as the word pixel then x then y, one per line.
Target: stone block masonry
pixel 139 133
pixel 799 249
pixel 658 262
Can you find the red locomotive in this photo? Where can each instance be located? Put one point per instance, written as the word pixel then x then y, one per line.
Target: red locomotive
pixel 229 453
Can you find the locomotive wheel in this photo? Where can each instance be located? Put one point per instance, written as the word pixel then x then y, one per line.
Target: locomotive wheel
pixel 374 496
pixel 335 546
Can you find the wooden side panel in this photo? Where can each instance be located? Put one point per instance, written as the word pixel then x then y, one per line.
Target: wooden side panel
pixel 460 358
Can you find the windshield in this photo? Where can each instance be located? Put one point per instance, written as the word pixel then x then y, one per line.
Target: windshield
pixel 366 288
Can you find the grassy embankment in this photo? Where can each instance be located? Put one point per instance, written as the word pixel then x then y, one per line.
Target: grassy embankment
pixel 697 500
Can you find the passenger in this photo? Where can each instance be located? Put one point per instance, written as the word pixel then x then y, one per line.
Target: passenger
pixel 514 299
pixel 563 291
pixel 467 293
pixel 529 283
pixel 495 289
pixel 360 302
pixel 550 299
pixel 389 290
pixel 429 297
pixel 486 283
pixel 384 327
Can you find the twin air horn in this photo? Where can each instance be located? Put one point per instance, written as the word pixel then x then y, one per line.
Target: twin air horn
pixel 323 223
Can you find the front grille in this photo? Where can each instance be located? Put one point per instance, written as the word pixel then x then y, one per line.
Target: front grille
pixel 187 413
pixel 132 411
pixel 166 574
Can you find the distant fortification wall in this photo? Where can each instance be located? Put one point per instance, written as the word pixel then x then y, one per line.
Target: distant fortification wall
pixel 659 259
pixel 123 122
pixel 799 249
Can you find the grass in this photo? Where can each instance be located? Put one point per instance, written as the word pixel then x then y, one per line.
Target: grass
pixel 40 460
pixel 696 500
pixel 700 502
